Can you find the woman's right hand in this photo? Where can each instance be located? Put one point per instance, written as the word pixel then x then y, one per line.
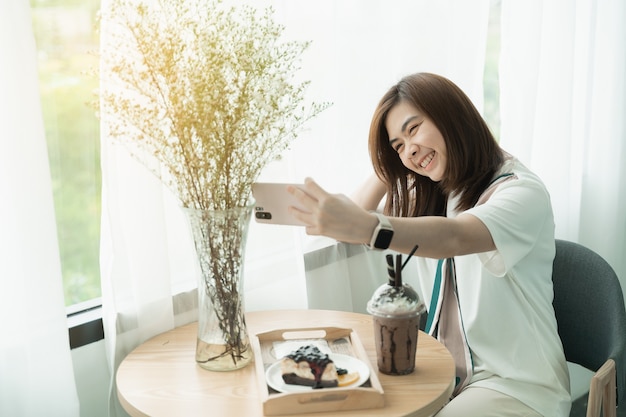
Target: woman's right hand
pixel 332 215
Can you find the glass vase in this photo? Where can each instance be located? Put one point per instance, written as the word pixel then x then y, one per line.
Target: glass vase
pixel 220 240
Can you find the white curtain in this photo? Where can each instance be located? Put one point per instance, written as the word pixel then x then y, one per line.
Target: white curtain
pixel 36 375
pixel 359 49
pixel 147 258
pixel 563 107
pixel 147 287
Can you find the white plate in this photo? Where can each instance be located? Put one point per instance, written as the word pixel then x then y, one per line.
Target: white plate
pixel 274 376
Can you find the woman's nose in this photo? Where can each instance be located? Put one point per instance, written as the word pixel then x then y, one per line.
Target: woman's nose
pixel 412 150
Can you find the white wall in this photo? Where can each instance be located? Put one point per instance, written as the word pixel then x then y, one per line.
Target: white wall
pixel 92 379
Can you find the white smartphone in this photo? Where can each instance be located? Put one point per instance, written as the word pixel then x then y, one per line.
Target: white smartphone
pixel 271 203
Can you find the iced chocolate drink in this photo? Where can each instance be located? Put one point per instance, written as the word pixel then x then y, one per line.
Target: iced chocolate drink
pixel 396 309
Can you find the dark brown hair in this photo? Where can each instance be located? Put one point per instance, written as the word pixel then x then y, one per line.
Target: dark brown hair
pixel 472 152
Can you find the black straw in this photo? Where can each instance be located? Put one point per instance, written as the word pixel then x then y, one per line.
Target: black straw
pixel 398 280
pixel 390 267
pixel 409 257
pixel 394 270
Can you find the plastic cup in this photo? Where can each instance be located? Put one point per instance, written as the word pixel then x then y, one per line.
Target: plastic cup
pixel 396 313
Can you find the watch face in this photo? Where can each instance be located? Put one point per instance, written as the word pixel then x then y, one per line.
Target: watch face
pixel 383 239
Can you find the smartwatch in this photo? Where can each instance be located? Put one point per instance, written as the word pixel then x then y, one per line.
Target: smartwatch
pixel 383 233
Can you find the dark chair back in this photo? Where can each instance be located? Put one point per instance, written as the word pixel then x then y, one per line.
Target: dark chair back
pixel 589 308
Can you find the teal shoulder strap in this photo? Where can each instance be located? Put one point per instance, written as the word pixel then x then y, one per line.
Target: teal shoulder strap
pixel 434 297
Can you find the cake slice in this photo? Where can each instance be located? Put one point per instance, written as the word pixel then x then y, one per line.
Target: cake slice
pixel 310 367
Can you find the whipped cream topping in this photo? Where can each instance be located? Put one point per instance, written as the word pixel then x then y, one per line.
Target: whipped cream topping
pixel 395 301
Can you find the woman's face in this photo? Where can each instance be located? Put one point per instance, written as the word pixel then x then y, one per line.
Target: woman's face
pixel 417 141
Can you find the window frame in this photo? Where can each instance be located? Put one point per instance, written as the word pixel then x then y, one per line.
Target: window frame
pixel 84 322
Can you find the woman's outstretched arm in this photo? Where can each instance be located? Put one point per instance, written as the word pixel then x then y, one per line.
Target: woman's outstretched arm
pixel 338 217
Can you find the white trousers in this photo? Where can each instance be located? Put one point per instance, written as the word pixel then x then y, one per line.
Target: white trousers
pixel 484 402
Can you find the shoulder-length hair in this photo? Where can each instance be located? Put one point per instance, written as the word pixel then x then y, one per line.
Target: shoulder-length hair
pixel 473 154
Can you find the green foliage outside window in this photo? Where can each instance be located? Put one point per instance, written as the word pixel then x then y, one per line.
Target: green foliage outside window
pixel 66 42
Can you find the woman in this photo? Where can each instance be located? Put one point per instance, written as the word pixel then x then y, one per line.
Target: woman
pixel 453 192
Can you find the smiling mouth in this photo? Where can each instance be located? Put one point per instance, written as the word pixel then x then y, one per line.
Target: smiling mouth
pixel 427 159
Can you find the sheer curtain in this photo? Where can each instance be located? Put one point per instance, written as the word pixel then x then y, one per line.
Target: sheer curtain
pixel 359 49
pixel 36 376
pixel 563 101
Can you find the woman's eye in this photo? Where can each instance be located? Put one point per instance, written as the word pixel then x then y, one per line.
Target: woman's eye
pixel 413 129
pixel 398 148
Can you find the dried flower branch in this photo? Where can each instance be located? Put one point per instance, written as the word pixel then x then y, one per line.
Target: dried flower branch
pixel 203 94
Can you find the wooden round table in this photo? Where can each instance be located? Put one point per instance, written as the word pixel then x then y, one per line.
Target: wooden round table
pixel 161 378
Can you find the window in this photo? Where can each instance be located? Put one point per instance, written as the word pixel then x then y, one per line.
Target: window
pixel 67 44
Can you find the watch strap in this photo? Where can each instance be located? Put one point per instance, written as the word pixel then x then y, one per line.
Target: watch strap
pixel 383 227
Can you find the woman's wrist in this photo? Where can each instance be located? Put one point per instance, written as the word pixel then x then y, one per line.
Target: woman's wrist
pixel 382 233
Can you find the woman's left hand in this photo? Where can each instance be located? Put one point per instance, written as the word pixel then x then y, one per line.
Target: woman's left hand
pixel 332 215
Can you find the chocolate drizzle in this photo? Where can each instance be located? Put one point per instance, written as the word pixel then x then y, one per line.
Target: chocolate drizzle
pixel 316 359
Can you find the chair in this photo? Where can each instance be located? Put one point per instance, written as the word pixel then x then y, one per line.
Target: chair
pixel 589 308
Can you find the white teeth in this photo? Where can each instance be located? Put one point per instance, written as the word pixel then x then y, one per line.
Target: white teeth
pixel 427 160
